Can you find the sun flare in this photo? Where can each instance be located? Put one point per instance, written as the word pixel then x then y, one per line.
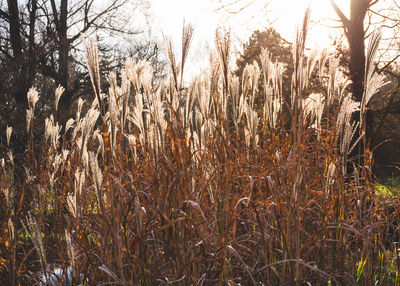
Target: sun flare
pixel 246 16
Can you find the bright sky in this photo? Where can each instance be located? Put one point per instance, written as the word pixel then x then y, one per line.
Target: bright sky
pixel 168 16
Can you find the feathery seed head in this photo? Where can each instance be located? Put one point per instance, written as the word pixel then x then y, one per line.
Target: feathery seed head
pixel 100 149
pixel 79 180
pixel 96 171
pixel 8 134
pixel 48 123
pixel 266 61
pixel 33 97
pixel 92 58
pixel 223 45
pixel 314 106
pixel 11 229
pixel 71 253
pixel 52 131
pixel 85 159
pixel 89 121
pixel 323 57
pixel 69 124
pixel 57 162
pixel 140 74
pixel 29 117
pixel 252 125
pixel 10 157
pixel 330 174
pixel 251 74
pixel 373 81
pixel 187 36
pixel 78 113
pixel 65 154
pixel 311 61
pixel 347 108
pixel 32 228
pixel 72 203
pixel 170 55
pixel 59 91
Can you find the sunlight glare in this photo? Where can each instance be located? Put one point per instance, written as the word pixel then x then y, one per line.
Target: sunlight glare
pixel 283 15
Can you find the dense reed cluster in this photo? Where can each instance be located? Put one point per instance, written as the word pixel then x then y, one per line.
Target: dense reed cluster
pixel 217 182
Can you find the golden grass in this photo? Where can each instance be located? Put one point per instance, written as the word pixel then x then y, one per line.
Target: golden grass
pixel 199 185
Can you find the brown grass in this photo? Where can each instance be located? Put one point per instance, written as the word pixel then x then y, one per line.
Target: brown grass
pixel 197 186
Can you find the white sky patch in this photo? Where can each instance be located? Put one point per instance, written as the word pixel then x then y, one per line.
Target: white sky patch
pixel 285 15
pixel 289 14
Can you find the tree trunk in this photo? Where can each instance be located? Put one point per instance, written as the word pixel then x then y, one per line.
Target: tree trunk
pixel 357 61
pixel 355 36
pixel 19 90
pixel 354 30
pixel 32 62
pixel 63 64
pixel 15 36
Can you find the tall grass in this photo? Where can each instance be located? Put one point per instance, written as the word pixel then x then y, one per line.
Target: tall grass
pixel 213 183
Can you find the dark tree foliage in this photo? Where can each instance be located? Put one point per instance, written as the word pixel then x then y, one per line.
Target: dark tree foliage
pixel 41 45
pixel 384 115
pixel 41 40
pixel 281 51
pixel 278 47
pixel 113 59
